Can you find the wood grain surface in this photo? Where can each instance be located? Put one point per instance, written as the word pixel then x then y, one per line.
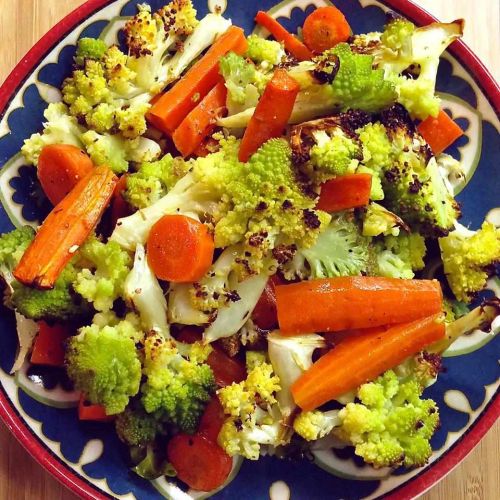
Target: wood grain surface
pixel 22 23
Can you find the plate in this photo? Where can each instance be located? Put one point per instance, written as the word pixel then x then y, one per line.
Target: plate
pixel 87 457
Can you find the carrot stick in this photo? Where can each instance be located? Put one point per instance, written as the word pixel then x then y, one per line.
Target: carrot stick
pixel 96 413
pixel 60 167
pixel 171 108
pixel 65 229
pixel 119 207
pixel 439 132
pixel 48 348
pixel 180 249
pixel 271 114
pixel 324 28
pixel 347 191
pixel 362 358
pixel 292 43
pixel 200 122
pixel 346 303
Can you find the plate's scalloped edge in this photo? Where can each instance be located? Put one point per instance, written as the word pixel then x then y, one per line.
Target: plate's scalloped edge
pixel 85 489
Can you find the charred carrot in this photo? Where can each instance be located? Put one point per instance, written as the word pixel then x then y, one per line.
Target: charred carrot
pixel 363 357
pixel 291 42
pixel 65 229
pixel 180 249
pixel 60 167
pixel 439 132
pixel 48 348
pixel 335 304
pixel 324 28
pixel 200 122
pixel 271 114
pixel 347 191
pixel 171 108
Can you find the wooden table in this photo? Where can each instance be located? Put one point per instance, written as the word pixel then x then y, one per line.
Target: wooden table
pixel 22 23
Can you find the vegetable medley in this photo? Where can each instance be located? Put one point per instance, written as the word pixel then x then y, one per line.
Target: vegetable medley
pixel 242 226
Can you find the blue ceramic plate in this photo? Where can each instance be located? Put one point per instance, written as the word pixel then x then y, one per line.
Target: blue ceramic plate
pixel 88 457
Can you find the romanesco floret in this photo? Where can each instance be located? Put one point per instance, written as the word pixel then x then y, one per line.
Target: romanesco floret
pixel 12 247
pixel 176 388
pixel 135 427
pixel 399 256
pixel 469 258
pixel 153 180
pixel 397 35
pixel 105 266
pixel 89 48
pixel 103 363
pixel 357 85
pixel 265 52
pixel 391 425
pixel 59 128
pixel 313 425
pixel 378 220
pixel 252 416
pixel 340 250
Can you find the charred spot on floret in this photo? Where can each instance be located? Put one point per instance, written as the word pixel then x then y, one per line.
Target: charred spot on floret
pixel 415 186
pixel 397 118
pixel 287 204
pixel 257 239
pixel 433 360
pixel 232 296
pixel 311 219
pixel 284 253
pixel 327 66
pixel 261 206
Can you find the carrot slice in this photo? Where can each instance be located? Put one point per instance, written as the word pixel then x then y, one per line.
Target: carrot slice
pixel 96 413
pixel 439 132
pixel 200 463
pixel 324 28
pixel 60 167
pixel 65 229
pixel 292 43
pixel 48 348
pixel 271 114
pixel 212 419
pixel 347 191
pixel 200 122
pixel 171 108
pixel 180 249
pixel 335 304
pixel 363 357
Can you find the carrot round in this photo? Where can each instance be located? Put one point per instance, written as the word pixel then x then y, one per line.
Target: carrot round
pixel 60 167
pixel 439 132
pixel 48 348
pixel 271 114
pixel 95 413
pixel 201 121
pixel 291 42
pixel 324 28
pixel 180 249
pixel 335 304
pixel 347 191
pixel 65 229
pixel 171 108
pixel 359 359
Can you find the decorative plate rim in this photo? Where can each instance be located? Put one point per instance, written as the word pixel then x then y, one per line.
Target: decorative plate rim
pixel 85 489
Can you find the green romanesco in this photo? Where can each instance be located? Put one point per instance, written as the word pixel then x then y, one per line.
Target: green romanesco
pixel 105 266
pixel 469 258
pixel 252 415
pixel 153 180
pixel 176 388
pixel 399 256
pixel 12 247
pixel 378 220
pixel 89 48
pixel 391 425
pixel 103 362
pixel 313 425
pixel 268 53
pixel 136 427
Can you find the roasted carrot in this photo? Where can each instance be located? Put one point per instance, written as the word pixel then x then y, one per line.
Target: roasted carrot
pixel 440 132
pixel 347 191
pixel 200 122
pixel 180 249
pixel 363 357
pixel 291 42
pixel 324 28
pixel 335 304
pixel 212 419
pixel 60 167
pixel 207 146
pixel 264 314
pixel 65 229
pixel 119 207
pixel 171 108
pixel 271 114
pixel 48 348
pixel 96 413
